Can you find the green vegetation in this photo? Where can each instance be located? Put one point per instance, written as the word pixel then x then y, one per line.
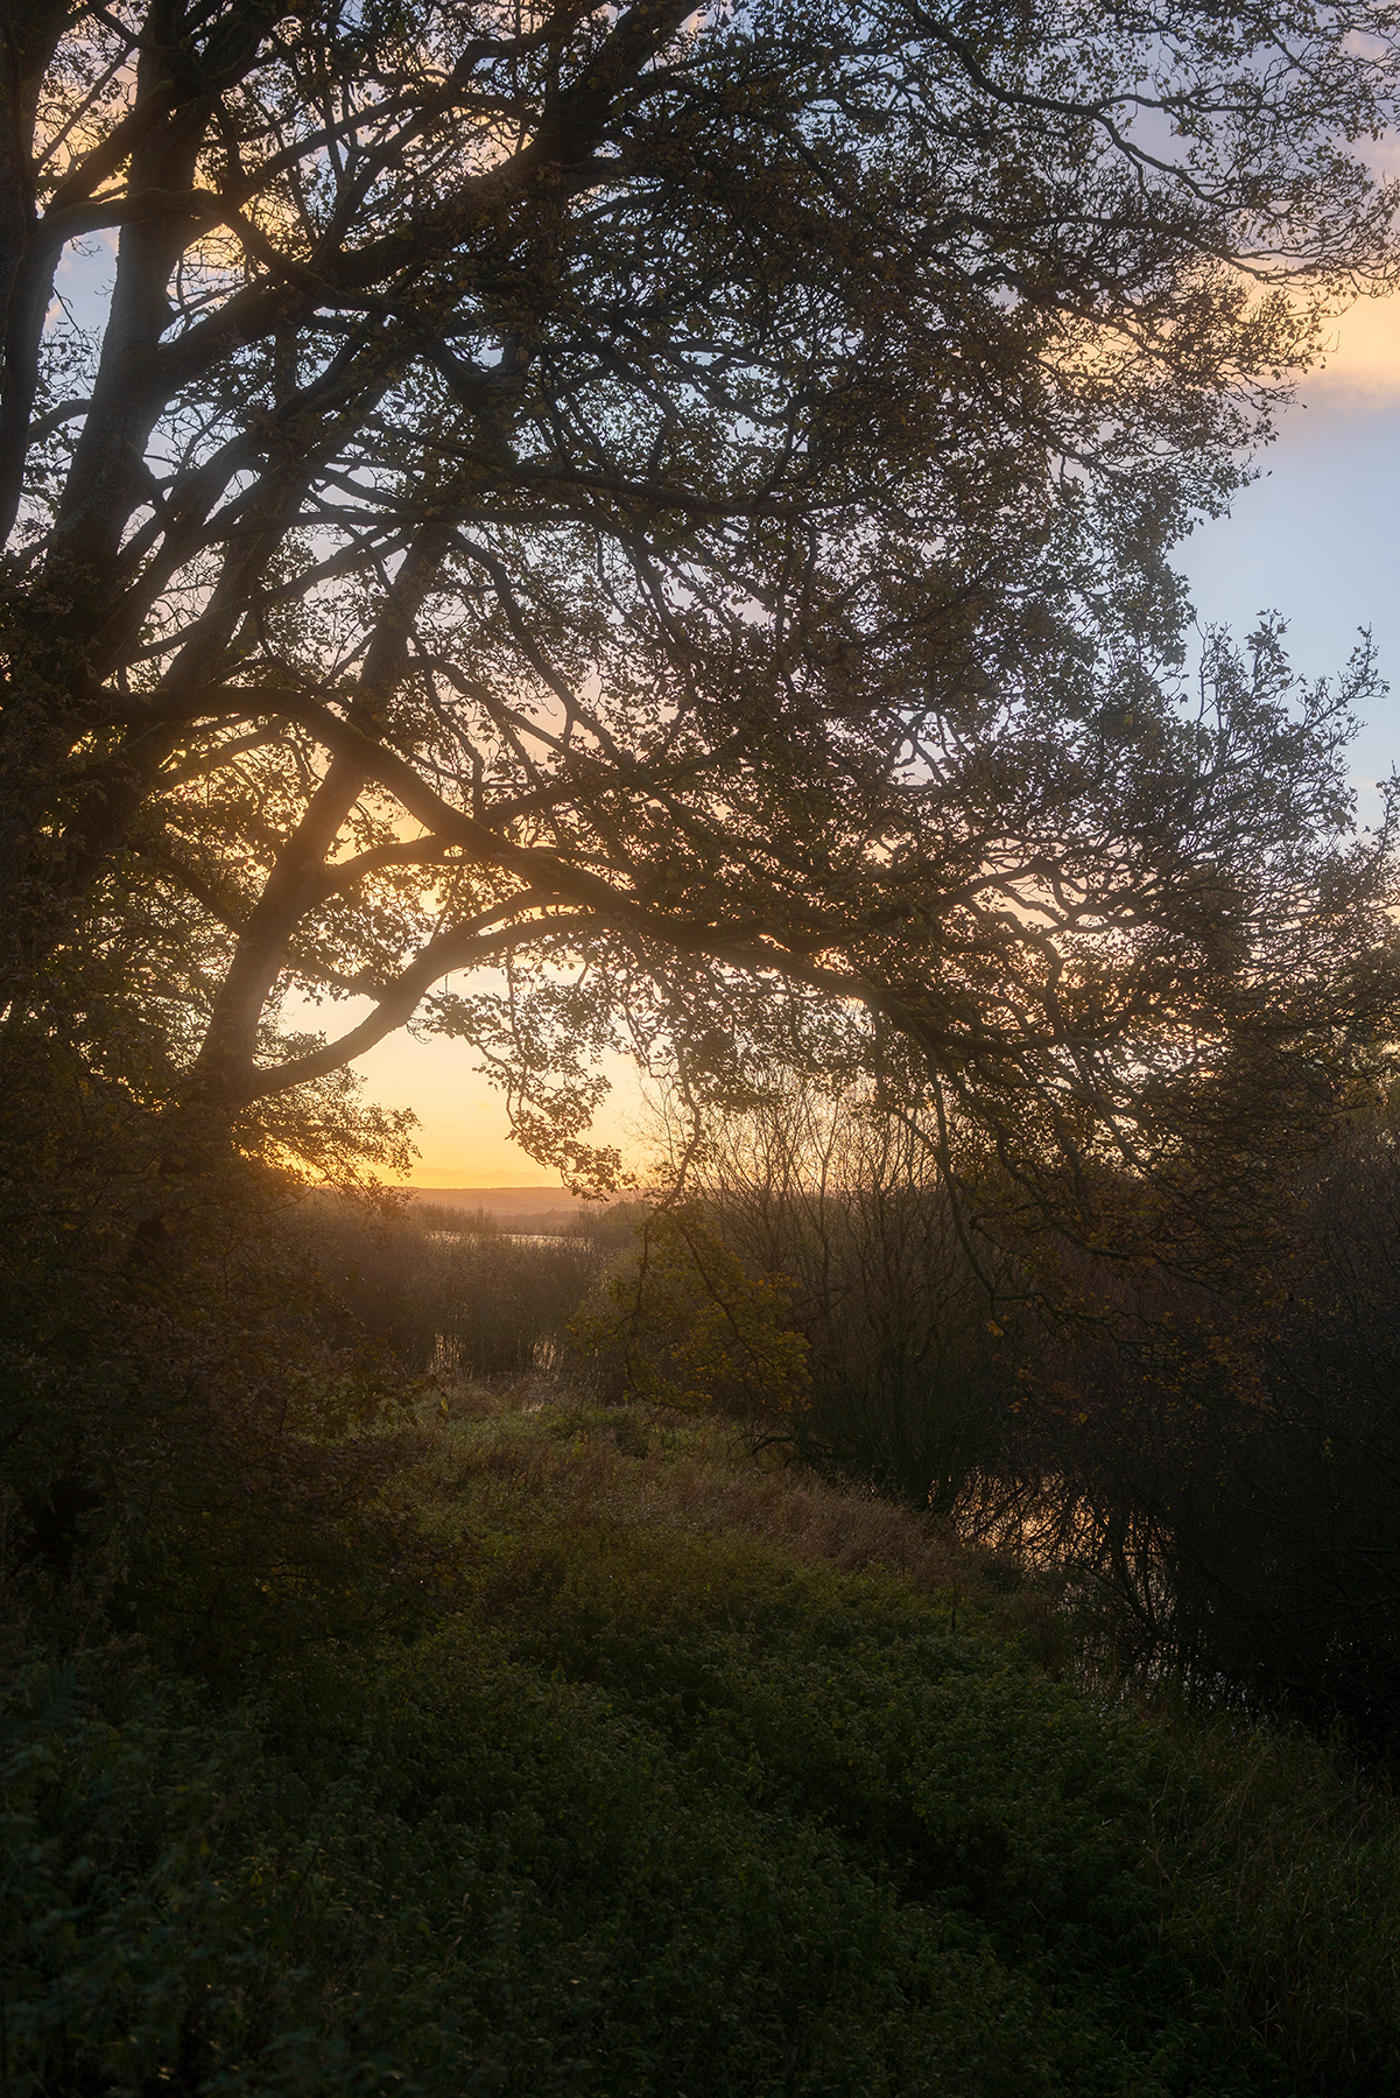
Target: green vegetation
pixel 1214 1472
pixel 674 1774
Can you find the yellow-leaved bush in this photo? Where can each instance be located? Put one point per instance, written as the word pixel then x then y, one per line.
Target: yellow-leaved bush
pixel 686 1325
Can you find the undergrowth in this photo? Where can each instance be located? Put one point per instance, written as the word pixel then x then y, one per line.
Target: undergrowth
pixel 666 1773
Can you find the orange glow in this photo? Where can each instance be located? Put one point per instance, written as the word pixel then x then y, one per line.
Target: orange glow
pixel 1362 370
pixel 463 1136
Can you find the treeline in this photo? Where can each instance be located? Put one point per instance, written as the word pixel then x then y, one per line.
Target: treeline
pixel 1213 1472
pixel 1213 1475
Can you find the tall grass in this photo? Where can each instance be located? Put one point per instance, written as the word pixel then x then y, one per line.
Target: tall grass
pixel 448 1290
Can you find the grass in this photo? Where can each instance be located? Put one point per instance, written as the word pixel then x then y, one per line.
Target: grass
pixel 663 1772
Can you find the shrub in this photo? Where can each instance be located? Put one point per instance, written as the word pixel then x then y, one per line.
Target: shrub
pixel 683 1324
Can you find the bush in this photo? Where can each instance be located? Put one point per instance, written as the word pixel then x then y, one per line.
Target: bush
pixel 653 1808
pixel 683 1324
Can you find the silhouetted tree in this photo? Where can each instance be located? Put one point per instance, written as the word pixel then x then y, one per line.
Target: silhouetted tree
pixel 668 509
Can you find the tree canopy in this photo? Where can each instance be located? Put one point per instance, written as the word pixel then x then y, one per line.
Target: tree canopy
pixel 665 514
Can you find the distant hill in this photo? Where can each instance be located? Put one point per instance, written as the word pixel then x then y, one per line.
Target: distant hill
pixel 507 1203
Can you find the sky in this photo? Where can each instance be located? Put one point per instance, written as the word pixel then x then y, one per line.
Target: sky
pixel 463 1136
pixel 1316 538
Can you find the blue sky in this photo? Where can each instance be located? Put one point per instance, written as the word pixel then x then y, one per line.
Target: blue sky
pixel 1317 536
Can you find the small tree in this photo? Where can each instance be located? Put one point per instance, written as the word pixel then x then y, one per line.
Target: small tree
pixel 906 1313
pixel 685 1324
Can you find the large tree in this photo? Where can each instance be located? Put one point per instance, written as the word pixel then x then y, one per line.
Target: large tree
pixel 668 510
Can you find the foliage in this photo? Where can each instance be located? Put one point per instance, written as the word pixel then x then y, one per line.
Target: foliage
pixel 665 513
pixel 656 1808
pixel 686 1325
pixel 1218 1476
pixel 190 1423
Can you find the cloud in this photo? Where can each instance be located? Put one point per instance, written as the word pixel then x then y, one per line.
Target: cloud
pixel 1361 370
